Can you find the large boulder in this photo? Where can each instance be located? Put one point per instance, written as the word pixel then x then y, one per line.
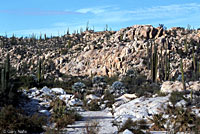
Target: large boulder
pixel 170 86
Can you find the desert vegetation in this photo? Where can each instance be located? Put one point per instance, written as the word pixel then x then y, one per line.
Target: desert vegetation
pixel 146 77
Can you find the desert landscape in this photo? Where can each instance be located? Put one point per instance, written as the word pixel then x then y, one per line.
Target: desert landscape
pixel 139 77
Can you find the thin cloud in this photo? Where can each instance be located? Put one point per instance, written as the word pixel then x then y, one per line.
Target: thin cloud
pixel 37 12
pixel 168 13
pixel 94 10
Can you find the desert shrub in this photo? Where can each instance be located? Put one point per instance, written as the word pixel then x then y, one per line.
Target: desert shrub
pixel 66 84
pixel 131 73
pixel 79 87
pixel 110 80
pixel 176 97
pixel 98 79
pixel 110 97
pixel 117 85
pixel 91 127
pixel 158 122
pixel 12 119
pixel 63 116
pixel 127 125
pixel 92 105
pixel 26 81
pixel 64 51
pixel 145 89
pixel 184 120
pixel 139 85
pixel 87 81
pixel 130 81
pixel 161 94
pixel 134 126
pixel 117 88
pixel 64 121
pixel 50 130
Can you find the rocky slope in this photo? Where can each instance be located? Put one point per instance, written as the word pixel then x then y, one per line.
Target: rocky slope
pixel 103 53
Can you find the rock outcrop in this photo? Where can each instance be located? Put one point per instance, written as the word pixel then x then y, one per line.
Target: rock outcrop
pixel 103 53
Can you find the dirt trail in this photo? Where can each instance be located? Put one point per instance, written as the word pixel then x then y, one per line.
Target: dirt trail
pixel 102 117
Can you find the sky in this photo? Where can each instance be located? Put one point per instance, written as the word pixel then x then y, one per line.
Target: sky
pixel 25 17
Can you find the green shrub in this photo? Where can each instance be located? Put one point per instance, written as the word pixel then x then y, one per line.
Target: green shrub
pixel 91 127
pixel 12 119
pixel 158 122
pixel 92 105
pixel 66 84
pixel 184 120
pixel 176 97
pixel 64 51
pixel 110 80
pixel 145 89
pixel 63 116
pixel 134 126
pixel 26 82
pixel 110 97
pixel 139 85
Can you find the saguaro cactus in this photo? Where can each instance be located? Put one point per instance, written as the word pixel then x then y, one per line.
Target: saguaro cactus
pixel 198 70
pixel 167 67
pixel 182 73
pixel 154 64
pixel 194 61
pixel 2 80
pixel 5 73
pixel 39 71
pixel 7 67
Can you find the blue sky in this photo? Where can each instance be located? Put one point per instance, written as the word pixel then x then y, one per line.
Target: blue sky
pixel 24 17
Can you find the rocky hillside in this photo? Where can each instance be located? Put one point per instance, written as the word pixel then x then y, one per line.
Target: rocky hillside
pixel 105 53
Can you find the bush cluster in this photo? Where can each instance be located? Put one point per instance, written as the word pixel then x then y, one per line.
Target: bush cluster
pixel 12 119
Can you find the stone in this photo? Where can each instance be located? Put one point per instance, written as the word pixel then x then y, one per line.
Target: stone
pixel 92 97
pixel 46 90
pixel 130 96
pixel 141 108
pixel 181 103
pixel 127 132
pixel 58 91
pixel 75 102
pixel 45 112
pixel 170 86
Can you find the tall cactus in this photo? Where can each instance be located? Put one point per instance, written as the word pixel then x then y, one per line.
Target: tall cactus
pixel 194 61
pixel 186 46
pixel 154 64
pixel 195 65
pixel 182 73
pixel 167 67
pixel 198 70
pixel 2 80
pixel 45 36
pixel 148 59
pixel 39 72
pixel 5 75
pixel 7 67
